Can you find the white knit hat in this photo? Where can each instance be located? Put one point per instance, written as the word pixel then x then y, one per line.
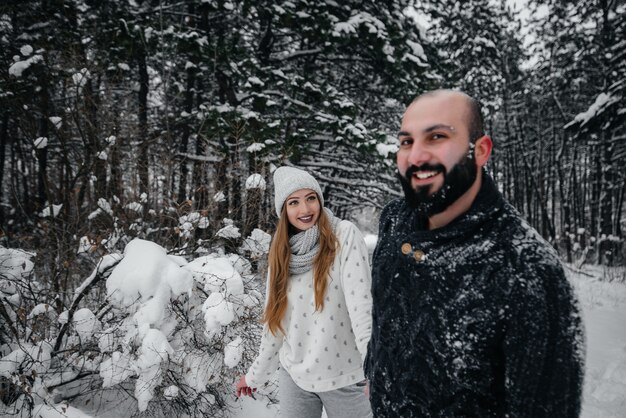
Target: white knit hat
pixel 290 179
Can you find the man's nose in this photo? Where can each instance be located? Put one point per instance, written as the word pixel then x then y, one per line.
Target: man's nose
pixel 419 154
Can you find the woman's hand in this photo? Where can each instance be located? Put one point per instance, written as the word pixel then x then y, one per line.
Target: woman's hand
pixel 243 388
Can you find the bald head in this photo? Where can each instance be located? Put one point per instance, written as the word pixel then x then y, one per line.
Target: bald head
pixel 473 115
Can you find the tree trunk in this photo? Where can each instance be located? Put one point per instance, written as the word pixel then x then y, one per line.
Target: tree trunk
pixel 229 184
pixel 4 141
pixel 566 217
pixel 200 180
pixel 606 196
pixel 42 153
pixel 143 159
pixel 94 149
pixel 221 186
pixel 115 184
pixel 254 201
pixel 184 140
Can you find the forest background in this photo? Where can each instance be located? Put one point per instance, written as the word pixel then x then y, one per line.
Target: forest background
pixel 163 120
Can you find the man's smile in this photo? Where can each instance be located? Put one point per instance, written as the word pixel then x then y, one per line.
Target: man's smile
pixel 425 174
pixel 424 177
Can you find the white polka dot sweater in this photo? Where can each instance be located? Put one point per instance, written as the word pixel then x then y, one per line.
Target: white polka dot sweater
pixel 323 350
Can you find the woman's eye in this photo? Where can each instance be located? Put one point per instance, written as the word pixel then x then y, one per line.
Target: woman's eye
pixel 311 198
pixel 292 202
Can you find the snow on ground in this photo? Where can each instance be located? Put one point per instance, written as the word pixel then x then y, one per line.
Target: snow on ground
pixel 58 411
pixel 602 293
pixel 246 407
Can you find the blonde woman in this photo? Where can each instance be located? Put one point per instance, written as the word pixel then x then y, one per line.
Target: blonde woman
pixel 317 319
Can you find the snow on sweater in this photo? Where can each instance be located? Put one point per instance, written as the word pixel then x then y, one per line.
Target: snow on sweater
pixel 323 350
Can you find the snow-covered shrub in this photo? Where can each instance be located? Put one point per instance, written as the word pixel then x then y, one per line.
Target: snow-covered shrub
pixel 175 334
pixel 257 244
pixel 179 326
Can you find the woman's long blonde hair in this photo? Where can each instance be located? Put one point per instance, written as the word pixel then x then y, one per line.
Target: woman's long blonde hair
pixel 278 264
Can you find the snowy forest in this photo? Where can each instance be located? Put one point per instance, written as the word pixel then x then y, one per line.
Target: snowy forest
pixel 138 138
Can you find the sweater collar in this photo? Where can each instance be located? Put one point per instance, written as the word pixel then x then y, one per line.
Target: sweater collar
pixel 486 205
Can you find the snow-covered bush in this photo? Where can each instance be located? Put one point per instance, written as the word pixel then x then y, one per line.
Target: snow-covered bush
pixel 172 335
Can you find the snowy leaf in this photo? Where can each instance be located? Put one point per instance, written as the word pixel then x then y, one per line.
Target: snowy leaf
pixel 26 50
pixel 217 274
pixel 154 349
pixel 389 148
pixel 255 181
pixel 41 142
pixel 258 243
pixel 41 309
pixel 116 369
pixel 229 232
pixel 85 324
pixel 144 269
pixel 56 121
pixel 15 263
pixel 417 50
pixel 52 210
pixel 19 67
pixel 80 78
pixel 255 147
pixel 256 81
pixel 602 102
pixel 134 206
pixel 233 352
pixel 203 222
pixel 219 197
pixel 218 312
pixel 170 392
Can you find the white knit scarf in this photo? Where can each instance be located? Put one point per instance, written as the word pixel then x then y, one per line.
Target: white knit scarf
pixel 306 244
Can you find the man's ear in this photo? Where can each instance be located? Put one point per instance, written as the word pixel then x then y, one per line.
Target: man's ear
pixel 482 150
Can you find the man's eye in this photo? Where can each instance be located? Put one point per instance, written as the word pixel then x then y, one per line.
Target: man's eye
pixel 438 136
pixel 406 142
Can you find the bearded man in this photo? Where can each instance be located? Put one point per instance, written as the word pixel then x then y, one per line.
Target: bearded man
pixel 472 313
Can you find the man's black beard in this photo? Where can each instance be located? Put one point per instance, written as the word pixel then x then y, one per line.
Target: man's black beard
pixel 458 181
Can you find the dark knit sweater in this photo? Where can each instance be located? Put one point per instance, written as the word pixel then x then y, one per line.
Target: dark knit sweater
pixel 484 325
